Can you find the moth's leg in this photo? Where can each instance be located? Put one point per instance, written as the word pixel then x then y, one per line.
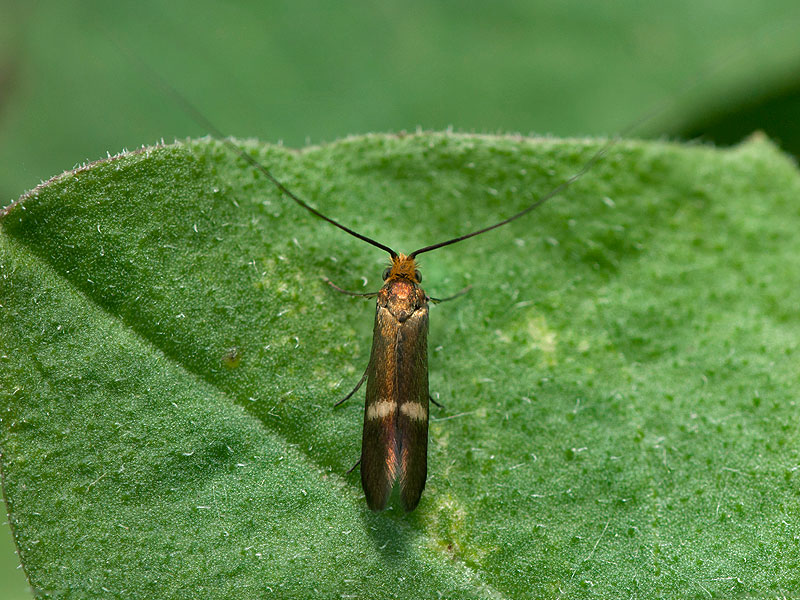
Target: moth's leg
pixel 355 389
pixel 453 297
pixel 364 376
pixel 338 289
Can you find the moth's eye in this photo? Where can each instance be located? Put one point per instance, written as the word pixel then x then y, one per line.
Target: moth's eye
pixel 386 273
pixel 418 275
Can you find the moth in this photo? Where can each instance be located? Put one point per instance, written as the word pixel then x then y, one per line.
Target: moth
pixel 394 442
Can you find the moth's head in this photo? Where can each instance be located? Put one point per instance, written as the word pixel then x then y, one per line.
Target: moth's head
pixel 403 267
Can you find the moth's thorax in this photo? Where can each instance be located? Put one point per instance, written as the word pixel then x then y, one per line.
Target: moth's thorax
pixel 402 298
pixel 401 295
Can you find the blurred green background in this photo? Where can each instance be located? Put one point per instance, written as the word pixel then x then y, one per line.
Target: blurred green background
pixel 310 72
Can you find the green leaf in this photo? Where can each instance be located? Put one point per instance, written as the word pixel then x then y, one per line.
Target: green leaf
pixel 620 383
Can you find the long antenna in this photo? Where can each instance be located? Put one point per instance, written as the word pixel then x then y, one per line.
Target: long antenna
pixel 597 156
pixel 198 117
pixel 554 192
pixel 194 113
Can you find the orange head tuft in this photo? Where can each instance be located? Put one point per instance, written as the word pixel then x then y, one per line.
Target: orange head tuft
pixel 403 267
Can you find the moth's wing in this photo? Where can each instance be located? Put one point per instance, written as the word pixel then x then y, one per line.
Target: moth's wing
pixel 412 414
pixel 379 450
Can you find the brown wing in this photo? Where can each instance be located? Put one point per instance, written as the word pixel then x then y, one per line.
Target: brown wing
pixel 379 451
pixel 395 440
pixel 412 415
